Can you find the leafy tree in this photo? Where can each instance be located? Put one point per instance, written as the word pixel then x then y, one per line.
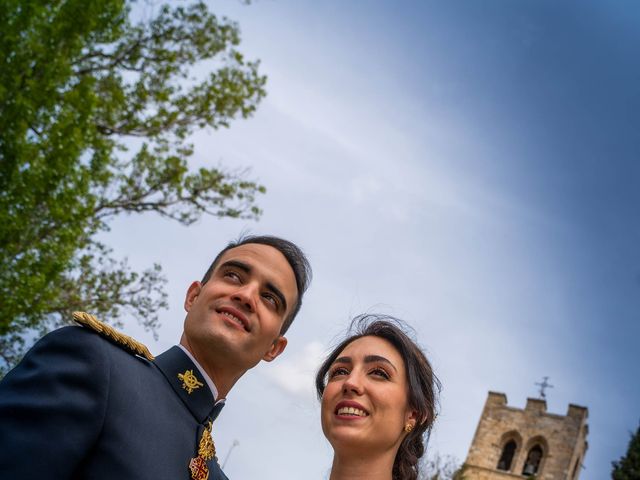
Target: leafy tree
pixel 628 467
pixel 96 112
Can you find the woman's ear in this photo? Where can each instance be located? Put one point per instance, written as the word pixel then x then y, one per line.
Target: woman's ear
pixel 411 418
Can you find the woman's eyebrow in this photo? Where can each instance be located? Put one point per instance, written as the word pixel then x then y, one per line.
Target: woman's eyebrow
pixel 378 358
pixel 343 360
pixel 367 359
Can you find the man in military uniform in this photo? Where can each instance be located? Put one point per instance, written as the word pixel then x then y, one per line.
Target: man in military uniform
pixel 90 402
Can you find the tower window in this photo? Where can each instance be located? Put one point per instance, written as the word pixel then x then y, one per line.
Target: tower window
pixel 532 463
pixel 507 456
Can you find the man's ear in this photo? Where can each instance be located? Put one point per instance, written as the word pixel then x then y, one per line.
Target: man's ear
pixel 277 347
pixel 192 293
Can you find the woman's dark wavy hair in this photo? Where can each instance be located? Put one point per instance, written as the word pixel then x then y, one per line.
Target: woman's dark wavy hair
pixel 424 386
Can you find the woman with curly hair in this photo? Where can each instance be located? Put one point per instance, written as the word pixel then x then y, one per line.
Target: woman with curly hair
pixel 378 395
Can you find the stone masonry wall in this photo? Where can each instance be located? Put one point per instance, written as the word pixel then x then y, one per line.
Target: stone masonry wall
pixel 562 438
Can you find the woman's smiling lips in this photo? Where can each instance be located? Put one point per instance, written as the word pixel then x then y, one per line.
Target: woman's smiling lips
pixel 350 410
pixel 235 316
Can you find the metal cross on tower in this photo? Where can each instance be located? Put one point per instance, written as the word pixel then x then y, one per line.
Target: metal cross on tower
pixel 543 386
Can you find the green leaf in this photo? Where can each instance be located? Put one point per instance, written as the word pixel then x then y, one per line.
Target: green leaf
pixel 78 81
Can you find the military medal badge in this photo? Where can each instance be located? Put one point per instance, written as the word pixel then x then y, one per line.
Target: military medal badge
pixel 206 451
pixel 198 468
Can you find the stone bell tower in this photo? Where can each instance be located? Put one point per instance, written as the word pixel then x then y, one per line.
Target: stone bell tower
pixel 513 443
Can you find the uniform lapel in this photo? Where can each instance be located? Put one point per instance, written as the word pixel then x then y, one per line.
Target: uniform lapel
pixel 186 380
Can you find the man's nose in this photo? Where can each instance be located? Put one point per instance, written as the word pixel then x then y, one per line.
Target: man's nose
pixel 246 296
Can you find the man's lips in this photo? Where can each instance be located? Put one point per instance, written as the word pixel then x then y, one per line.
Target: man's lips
pixel 235 316
pixel 348 408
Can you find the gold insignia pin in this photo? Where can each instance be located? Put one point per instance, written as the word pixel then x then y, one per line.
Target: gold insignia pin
pixel 189 381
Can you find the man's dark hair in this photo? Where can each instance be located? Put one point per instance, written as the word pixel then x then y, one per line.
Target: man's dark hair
pixel 424 386
pixel 293 254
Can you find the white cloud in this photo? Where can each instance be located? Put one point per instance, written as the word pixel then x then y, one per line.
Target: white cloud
pixel 295 375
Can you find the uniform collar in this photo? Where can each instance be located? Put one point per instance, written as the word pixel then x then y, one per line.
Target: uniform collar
pixel 206 377
pixel 189 384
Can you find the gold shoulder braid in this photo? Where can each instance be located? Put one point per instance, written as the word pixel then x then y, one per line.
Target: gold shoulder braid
pixel 87 320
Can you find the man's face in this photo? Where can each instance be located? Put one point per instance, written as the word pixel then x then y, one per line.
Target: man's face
pixel 238 313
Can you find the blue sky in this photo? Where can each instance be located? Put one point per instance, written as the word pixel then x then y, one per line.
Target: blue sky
pixel 470 167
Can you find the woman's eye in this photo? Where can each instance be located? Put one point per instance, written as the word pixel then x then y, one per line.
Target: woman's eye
pixel 338 371
pixel 380 372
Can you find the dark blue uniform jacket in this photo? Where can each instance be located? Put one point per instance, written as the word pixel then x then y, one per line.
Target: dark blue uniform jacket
pixel 81 407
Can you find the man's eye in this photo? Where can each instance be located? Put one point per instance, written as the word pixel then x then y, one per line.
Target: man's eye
pixel 380 372
pixel 271 299
pixel 232 275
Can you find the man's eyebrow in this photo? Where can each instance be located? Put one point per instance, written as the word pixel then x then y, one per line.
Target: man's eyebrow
pixel 245 267
pixel 378 358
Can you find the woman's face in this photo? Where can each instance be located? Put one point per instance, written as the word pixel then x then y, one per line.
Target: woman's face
pixel 364 405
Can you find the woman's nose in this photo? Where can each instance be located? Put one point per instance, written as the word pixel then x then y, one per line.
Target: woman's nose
pixel 353 384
